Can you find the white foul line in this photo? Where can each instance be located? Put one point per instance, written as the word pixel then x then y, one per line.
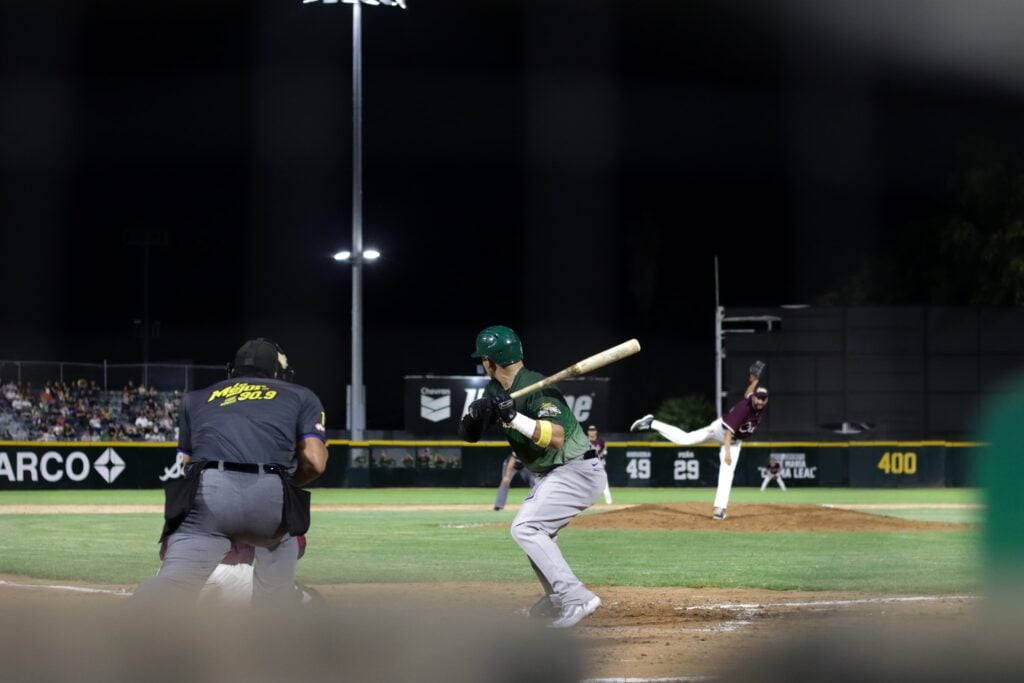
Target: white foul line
pixel 750 609
pixel 828 603
pixel 71 589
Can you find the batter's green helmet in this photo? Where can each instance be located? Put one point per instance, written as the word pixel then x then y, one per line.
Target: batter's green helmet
pixel 500 344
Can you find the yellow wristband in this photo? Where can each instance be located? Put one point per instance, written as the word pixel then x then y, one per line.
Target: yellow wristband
pixel 545 433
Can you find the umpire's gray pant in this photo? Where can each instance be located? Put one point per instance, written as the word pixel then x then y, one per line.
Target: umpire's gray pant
pixel 556 499
pixel 229 506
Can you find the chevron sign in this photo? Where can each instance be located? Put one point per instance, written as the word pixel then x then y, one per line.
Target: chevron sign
pixel 435 404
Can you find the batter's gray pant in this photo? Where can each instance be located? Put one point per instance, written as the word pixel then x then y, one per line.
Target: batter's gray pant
pixel 229 505
pixel 556 499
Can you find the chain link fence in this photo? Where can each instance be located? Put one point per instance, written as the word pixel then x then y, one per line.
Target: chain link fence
pixel 112 376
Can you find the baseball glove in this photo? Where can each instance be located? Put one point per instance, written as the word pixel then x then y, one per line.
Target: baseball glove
pixel 757 368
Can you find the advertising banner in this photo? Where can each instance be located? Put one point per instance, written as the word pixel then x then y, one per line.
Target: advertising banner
pixel 434 405
pixel 124 465
pixel 797 466
pixel 43 465
pixel 62 465
pixel 657 465
pixel 660 464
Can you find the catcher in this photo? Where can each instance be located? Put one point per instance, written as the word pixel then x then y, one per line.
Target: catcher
pixel 231 582
pixel 730 430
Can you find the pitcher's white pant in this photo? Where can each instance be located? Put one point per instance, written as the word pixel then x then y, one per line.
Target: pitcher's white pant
pixel 556 499
pixel 713 432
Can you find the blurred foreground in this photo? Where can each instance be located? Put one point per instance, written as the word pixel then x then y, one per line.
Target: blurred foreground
pixel 123 642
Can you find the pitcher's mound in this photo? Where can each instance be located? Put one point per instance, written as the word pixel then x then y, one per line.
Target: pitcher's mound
pixel 752 517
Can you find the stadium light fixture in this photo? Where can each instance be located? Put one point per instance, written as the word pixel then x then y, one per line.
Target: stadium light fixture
pixel 368 255
pixel 387 3
pixel 357 402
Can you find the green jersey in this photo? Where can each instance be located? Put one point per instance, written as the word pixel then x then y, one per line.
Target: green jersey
pixel 546 404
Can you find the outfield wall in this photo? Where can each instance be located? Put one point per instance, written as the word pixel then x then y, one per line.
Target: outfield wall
pixel 863 464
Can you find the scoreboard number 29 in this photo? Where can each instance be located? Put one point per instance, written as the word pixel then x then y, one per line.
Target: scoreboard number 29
pixel 686 470
pixel 898 462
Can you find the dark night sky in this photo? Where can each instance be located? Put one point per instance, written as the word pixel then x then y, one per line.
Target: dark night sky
pixel 566 168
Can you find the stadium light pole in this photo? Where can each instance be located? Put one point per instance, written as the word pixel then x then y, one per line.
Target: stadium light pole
pixel 720 331
pixel 357 402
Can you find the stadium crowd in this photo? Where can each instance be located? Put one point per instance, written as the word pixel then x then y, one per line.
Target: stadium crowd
pixel 82 411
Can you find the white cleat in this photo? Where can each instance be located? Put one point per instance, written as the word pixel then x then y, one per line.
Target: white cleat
pixel 574 614
pixel 719 514
pixel 643 424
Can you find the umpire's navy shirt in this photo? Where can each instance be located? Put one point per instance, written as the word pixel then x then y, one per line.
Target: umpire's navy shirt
pixel 249 419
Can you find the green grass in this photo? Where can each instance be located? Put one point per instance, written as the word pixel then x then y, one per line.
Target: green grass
pixel 971 516
pixel 484 496
pixel 353 547
pixel 404 547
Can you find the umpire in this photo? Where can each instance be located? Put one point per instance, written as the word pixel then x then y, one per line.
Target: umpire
pixel 250 442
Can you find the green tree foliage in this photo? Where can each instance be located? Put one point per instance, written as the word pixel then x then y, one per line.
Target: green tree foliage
pixel 973 254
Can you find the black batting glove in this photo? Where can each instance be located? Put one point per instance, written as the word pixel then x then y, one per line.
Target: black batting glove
pixel 477 418
pixel 480 410
pixel 504 406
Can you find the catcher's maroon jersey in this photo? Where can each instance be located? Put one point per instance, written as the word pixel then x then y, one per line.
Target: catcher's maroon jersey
pixel 742 420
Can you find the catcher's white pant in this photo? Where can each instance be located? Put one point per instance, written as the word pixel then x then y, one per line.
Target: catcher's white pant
pixel 713 432
pixel 229 583
pixel 232 584
pixel 556 499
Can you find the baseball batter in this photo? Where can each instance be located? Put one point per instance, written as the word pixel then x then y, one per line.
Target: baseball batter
pixel 729 430
pixel 570 476
pixel 242 437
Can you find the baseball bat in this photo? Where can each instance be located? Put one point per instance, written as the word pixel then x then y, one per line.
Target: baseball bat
pixel 598 360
